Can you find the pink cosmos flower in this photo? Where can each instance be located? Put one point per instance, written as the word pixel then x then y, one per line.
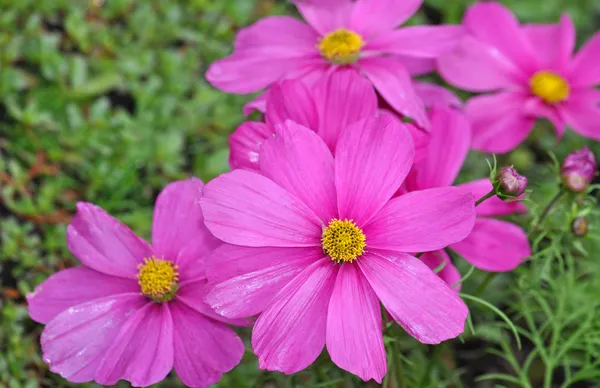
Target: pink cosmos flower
pixel 135 311
pixel 337 100
pixel 358 34
pixel 532 74
pixel 493 245
pixel 314 243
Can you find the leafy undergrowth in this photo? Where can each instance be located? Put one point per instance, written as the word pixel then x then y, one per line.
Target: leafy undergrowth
pixel 105 102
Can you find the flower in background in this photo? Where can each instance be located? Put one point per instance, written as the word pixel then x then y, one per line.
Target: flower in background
pixel 509 183
pixel 337 100
pixel 580 226
pixel 360 35
pixel 532 74
pixel 493 245
pixel 135 311
pixel 579 169
pixel 314 244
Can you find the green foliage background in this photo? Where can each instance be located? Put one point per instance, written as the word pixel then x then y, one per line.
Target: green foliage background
pixel 104 101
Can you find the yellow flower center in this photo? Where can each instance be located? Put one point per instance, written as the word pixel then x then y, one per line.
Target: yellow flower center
pixel 550 87
pixel 158 279
pixel 341 46
pixel 343 240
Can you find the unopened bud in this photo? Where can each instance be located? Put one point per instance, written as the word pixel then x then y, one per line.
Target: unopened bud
pixel 509 183
pixel 578 170
pixel 580 226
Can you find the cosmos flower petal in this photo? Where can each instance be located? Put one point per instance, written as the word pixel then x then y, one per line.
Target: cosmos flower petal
pixel 498 121
pixel 193 293
pixel 299 161
pixel 395 85
pixel 478 67
pixel 553 43
pixel 448 273
pixel 449 143
pixel 422 221
pixel 258 104
pixel 354 328
pixel 290 334
pixel 584 69
pixel 245 208
pixel 245 144
pixel 417 66
pixel 372 159
pixel 291 100
pixel 204 349
pixel 342 97
pixel 249 70
pixel 493 206
pixel 373 17
pixel 283 36
pixel 325 15
pixel 433 94
pixel 416 298
pixel 494 245
pixel 142 352
pixel 74 343
pixel 495 25
pixel 244 280
pixel 418 41
pixel 104 244
pixel 71 287
pixel 264 52
pixel 583 116
pixel 536 107
pixel 178 220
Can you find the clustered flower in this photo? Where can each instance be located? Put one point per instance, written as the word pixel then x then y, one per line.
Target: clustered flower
pixel 330 199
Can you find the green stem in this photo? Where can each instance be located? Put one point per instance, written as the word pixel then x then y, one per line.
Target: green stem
pixel 488 195
pixel 548 376
pixel 488 279
pixel 547 209
pixel 399 369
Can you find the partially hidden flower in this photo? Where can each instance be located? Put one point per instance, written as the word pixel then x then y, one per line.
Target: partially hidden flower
pixel 314 244
pixel 580 226
pixel 337 100
pixel 579 169
pixel 493 245
pixel 509 184
pixel 360 35
pixel 529 71
pixel 135 311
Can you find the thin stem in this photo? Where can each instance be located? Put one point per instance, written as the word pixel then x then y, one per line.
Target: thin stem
pixel 399 369
pixel 547 209
pixel 488 195
pixel 488 279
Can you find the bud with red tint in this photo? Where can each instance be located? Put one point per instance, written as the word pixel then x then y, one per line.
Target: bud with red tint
pixel 578 170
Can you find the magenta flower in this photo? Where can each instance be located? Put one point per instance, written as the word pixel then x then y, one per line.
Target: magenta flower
pixel 359 34
pixel 579 169
pixel 493 245
pixel 315 243
pixel 337 100
pixel 135 311
pixel 532 74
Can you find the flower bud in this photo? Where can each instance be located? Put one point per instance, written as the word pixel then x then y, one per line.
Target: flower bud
pixel 578 170
pixel 509 184
pixel 580 226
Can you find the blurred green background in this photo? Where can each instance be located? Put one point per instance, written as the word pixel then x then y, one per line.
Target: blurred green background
pixel 105 101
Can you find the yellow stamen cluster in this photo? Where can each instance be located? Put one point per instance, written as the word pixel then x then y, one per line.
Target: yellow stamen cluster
pixel 341 46
pixel 158 279
pixel 343 241
pixel 549 86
